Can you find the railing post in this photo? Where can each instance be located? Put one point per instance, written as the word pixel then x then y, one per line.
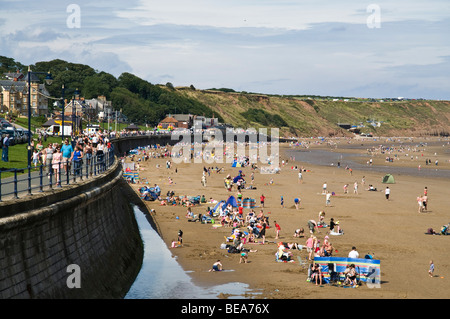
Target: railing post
pixel 95 164
pixel 29 180
pixel 87 169
pixel 73 173
pixel 59 174
pixel 15 185
pixel 80 170
pixel 68 172
pixel 41 171
pixel 50 175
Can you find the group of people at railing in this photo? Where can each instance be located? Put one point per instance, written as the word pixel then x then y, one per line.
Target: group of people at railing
pixel 88 151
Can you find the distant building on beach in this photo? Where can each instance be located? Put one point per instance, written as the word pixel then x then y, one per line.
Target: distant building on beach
pixel 188 121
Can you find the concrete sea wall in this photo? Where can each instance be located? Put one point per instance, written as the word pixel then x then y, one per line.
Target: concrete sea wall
pixel 81 241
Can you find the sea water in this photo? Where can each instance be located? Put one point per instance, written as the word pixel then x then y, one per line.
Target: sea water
pixel 161 277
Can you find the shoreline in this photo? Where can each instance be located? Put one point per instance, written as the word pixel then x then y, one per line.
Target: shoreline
pixel 390 230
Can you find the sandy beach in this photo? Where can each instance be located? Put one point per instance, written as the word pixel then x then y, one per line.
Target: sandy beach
pixel 393 230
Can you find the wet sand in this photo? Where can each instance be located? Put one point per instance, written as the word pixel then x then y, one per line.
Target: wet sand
pixel 393 231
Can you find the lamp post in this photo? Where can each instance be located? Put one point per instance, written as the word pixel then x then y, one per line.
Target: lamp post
pixel 64 108
pixel 48 80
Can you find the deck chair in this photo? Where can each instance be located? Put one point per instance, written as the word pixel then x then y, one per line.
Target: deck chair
pixel 302 262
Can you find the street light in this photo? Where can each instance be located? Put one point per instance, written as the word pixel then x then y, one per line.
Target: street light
pixel 48 81
pixel 63 109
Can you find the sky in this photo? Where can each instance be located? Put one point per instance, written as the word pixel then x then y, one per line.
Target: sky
pixel 351 48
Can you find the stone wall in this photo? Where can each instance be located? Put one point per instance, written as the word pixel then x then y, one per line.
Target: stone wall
pixel 90 224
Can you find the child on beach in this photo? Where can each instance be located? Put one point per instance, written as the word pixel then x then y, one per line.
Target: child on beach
pixel 278 229
pixel 431 270
pixel 324 188
pixel 299 232
pixel 243 258
pixel 282 202
pixel 217 266
pixel 345 188
pixel 297 203
pixel 328 199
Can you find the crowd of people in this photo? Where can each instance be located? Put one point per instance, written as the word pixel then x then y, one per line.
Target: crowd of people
pixel 69 156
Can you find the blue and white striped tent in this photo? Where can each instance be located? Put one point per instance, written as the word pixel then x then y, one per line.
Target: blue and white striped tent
pixel 368 270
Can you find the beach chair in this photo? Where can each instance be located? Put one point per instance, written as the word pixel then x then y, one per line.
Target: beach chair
pixel 302 262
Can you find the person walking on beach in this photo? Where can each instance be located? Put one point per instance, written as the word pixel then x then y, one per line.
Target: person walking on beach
pixel 431 269
pixel 420 203
pixel 282 202
pixel 204 180
pixel 346 189
pixel 262 199
pixel 327 199
pixel 310 246
pixel 278 229
pixel 262 233
pixel 387 192
pixel 300 176
pixel 425 202
pixel 355 188
pixel 324 188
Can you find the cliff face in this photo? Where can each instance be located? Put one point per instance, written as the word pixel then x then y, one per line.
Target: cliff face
pixel 320 117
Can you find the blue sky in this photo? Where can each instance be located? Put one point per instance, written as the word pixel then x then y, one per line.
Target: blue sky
pixel 316 47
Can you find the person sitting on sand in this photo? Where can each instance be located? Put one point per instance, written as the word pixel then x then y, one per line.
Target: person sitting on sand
pixel 282 253
pixel 350 275
pixel 321 218
pixel 299 232
pixel 334 227
pixel 217 266
pixel 444 229
pixel 326 249
pixel 189 213
pixel 316 274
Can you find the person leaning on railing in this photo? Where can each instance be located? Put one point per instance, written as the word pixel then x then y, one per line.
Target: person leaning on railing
pixel 77 158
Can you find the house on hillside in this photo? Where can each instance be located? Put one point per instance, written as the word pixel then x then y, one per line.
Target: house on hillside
pixel 101 108
pixel 14 95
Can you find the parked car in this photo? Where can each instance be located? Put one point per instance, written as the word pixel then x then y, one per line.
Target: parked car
pixel 21 135
pixel 12 135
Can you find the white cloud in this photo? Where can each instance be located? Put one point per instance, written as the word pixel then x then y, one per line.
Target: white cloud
pixel 286 47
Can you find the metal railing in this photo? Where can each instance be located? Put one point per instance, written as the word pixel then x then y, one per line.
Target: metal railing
pixel 55 175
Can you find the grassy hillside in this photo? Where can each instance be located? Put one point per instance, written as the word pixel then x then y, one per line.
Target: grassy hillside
pixel 303 117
